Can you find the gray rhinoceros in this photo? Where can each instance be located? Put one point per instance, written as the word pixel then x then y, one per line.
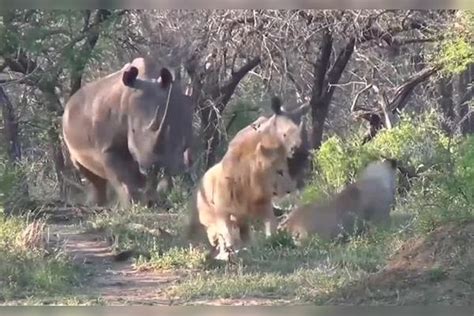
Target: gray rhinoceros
pixel 120 127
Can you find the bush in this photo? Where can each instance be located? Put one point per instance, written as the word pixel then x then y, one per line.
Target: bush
pixel 442 190
pixel 11 184
pixel 415 142
pixel 450 194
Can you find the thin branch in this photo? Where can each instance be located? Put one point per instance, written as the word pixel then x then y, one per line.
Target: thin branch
pixel 5 82
pixel 356 99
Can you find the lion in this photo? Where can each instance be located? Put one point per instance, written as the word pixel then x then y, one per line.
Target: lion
pixel 240 188
pixel 370 198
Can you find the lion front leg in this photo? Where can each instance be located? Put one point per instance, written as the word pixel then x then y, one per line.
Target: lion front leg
pixel 224 228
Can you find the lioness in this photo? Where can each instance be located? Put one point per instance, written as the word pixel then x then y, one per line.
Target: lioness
pixel 238 188
pixel 370 198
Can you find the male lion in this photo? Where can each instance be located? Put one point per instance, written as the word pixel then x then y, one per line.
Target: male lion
pixel 370 198
pixel 238 188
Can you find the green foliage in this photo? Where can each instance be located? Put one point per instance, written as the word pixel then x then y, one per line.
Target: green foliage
pixel 449 195
pixel 456 55
pixel 442 191
pixel 457 52
pixel 243 113
pixel 10 229
pixel 416 142
pixel 11 179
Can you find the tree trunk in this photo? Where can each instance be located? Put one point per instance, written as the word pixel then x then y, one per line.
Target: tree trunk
pixel 55 109
pixel 209 120
pixel 212 100
pixel 466 94
pixel 319 112
pixel 87 48
pixel 324 79
pixel 446 103
pixel 12 141
pixel 319 104
pixel 10 128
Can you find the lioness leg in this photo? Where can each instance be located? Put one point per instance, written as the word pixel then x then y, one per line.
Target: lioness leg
pixel 269 219
pixel 244 230
pixel 122 171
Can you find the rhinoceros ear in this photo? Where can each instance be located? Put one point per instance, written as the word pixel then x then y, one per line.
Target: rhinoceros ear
pixel 166 77
pixel 130 76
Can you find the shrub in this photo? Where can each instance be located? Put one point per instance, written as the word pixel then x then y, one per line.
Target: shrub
pixel 415 142
pixel 11 186
pixel 449 196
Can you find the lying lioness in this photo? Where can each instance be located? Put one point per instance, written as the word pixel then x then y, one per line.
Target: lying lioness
pixel 370 198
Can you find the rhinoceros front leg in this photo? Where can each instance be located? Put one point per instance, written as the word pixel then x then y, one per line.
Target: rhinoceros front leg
pixel 122 172
pixel 99 185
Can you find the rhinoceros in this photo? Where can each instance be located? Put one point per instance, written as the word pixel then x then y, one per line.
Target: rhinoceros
pixel 121 127
pixel 280 123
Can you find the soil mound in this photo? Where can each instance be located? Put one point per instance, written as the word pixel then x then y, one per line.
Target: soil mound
pixel 436 269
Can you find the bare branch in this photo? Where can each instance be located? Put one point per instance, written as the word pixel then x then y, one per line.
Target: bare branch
pixel 356 99
pixel 228 89
pixel 404 91
pixel 383 105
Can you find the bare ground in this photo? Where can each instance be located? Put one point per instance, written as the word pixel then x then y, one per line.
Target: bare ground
pixel 113 282
pixel 120 283
pixel 436 269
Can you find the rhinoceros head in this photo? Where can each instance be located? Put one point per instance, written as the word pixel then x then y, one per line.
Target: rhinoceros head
pixel 159 121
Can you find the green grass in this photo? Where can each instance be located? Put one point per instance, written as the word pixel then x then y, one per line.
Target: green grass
pixel 139 229
pixel 175 258
pixel 308 272
pixel 269 268
pixel 25 273
pixel 62 300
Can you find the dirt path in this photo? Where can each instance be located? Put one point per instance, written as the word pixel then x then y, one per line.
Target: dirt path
pixel 115 283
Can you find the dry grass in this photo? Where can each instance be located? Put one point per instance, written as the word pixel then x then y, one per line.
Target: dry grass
pixel 33 236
